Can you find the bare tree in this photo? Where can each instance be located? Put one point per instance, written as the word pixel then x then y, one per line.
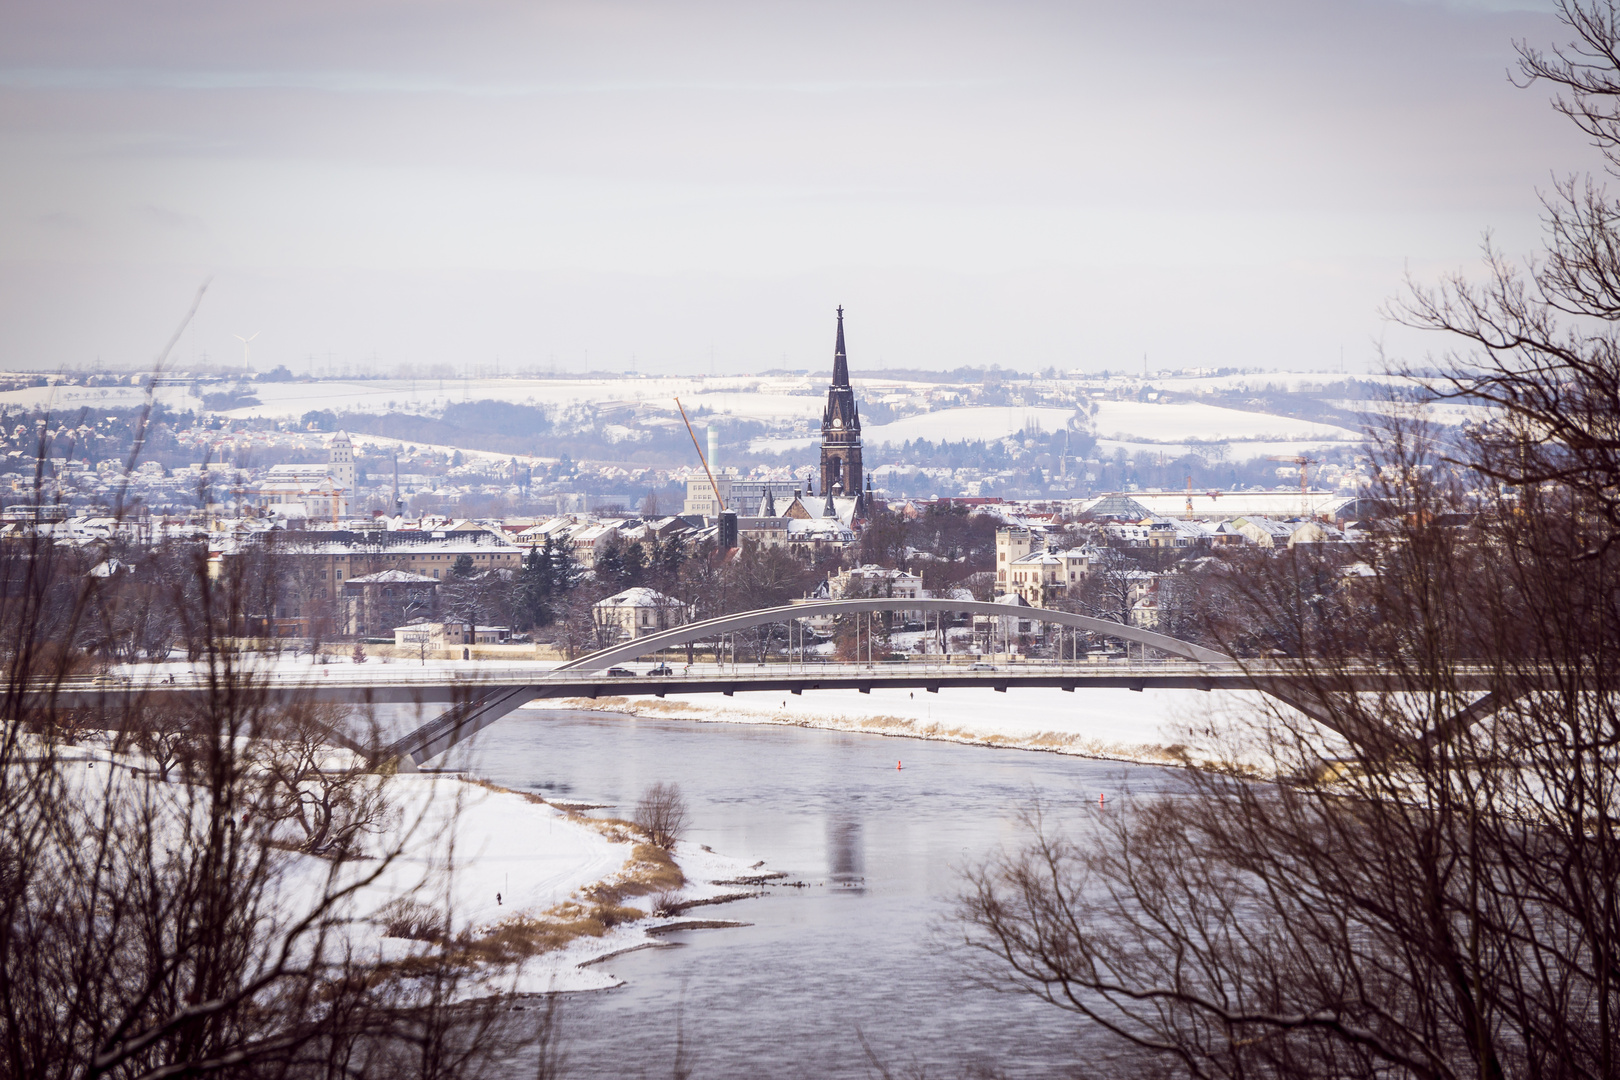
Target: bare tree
pixel 1410 868
pixel 156 917
pixel 1541 343
pixel 1427 886
pixel 662 814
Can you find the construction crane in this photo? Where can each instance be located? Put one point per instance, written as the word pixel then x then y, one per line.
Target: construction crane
pixel 719 502
pixel 1304 495
pixel 1189 494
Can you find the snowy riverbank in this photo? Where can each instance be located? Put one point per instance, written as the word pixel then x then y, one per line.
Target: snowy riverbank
pixel 528 896
pixel 529 872
pixel 1148 726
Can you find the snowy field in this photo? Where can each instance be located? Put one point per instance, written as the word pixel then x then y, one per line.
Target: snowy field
pixel 1129 424
pixel 1152 422
pixel 73 398
pixel 1235 451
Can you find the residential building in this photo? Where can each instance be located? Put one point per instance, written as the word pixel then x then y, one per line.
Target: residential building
pixel 312 566
pixel 1012 544
pixel 375 603
pixel 872 580
pixel 1041 577
pixel 431 638
pixel 1264 532
pixel 638 612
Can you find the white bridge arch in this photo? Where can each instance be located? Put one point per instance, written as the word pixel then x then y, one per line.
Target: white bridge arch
pixel 726 624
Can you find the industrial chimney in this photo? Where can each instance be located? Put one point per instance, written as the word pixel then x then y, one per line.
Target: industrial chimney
pixel 714 450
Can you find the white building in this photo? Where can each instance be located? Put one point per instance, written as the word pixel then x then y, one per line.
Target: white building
pixel 639 612
pixel 1012 543
pixel 876 581
pixel 323 490
pixel 1043 576
pixel 1264 532
pixel 433 637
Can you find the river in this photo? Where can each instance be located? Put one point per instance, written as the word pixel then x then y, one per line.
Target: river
pixel 861 950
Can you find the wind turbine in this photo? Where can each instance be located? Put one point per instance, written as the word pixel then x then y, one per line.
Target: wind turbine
pixel 244 340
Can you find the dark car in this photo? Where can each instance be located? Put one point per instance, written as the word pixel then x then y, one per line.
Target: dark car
pixel 661 669
pixel 619 673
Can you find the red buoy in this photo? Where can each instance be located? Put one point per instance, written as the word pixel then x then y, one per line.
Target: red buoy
pixel 897 766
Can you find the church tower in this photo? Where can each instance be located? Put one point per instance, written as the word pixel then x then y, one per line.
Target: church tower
pixel 840 428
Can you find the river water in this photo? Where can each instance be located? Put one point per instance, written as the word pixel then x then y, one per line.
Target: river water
pixel 863 950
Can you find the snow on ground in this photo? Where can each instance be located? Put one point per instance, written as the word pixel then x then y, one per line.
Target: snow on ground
pixel 517 856
pixel 972 422
pixel 1118 724
pixel 1128 423
pixel 1235 451
pixel 977 422
pixel 1153 422
pixel 64 399
pixel 742 394
pixel 511 855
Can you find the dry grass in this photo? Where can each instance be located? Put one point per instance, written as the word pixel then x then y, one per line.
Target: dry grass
pixel 526 796
pixel 599 908
pixel 520 937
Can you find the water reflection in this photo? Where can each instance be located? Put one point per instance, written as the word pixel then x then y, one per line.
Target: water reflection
pixel 846 864
pixel 855 952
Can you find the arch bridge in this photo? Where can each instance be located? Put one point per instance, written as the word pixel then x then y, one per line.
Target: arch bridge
pixel 482 692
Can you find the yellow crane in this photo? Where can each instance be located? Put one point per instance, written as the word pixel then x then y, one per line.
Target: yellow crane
pixel 1303 463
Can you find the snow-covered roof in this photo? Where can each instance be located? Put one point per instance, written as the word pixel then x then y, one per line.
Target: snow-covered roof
pixel 638 597
pixel 830 528
pixel 393 577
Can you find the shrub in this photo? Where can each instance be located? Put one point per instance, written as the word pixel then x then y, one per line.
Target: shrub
pixel 412 921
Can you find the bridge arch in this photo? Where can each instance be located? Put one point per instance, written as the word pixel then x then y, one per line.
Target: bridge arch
pixel 725 624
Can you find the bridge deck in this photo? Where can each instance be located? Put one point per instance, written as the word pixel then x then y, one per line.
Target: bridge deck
pixel 408 684
pixel 478 693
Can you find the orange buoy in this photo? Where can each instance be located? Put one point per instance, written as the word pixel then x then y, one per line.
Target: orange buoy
pixel 1101 799
pixel 897 766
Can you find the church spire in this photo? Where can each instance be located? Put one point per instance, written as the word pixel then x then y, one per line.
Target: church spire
pixel 840 361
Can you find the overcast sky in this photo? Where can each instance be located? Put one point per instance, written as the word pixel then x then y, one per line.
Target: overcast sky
pixel 677 184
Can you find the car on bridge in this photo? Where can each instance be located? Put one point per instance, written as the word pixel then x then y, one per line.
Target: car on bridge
pixel 660 669
pixel 981 667
pixel 619 673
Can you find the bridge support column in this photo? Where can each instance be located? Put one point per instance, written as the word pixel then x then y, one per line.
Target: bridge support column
pixel 457 723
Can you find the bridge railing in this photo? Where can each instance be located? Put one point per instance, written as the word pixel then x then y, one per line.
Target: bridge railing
pixel 987 666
